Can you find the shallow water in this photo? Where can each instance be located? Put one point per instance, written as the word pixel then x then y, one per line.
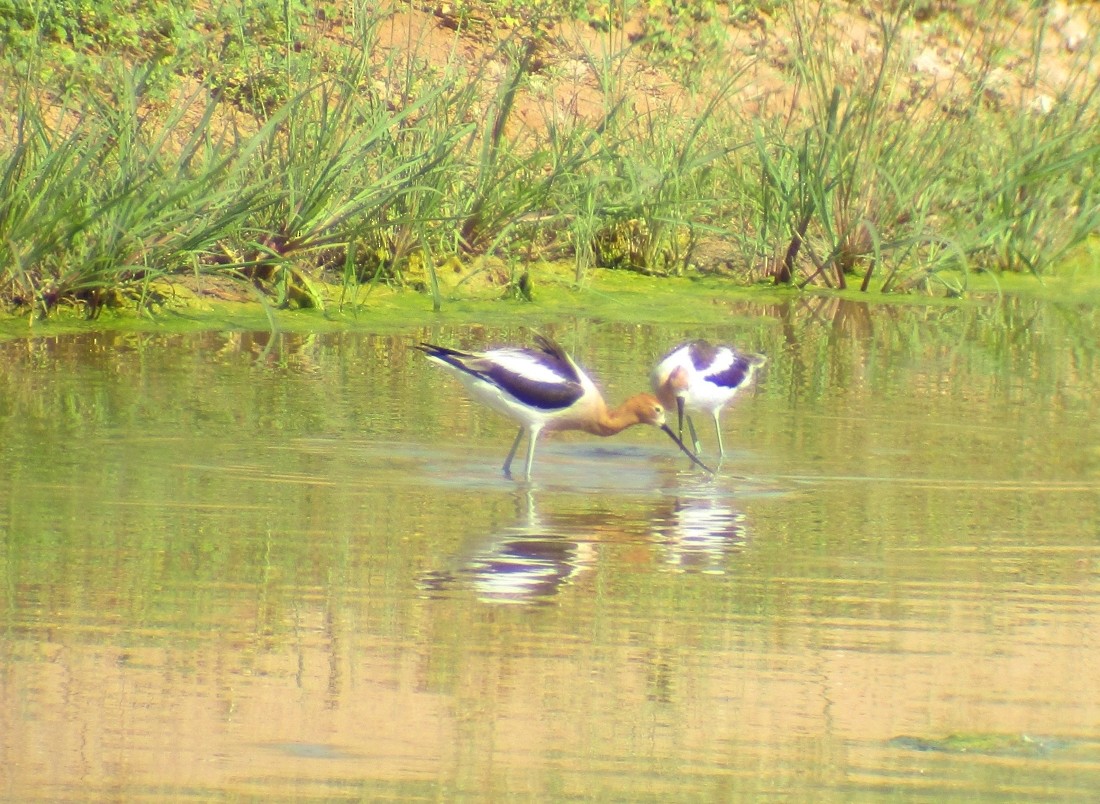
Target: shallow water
pixel 253 565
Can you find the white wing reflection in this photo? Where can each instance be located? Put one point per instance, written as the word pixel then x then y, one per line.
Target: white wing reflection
pixel 533 560
pixel 529 562
pixel 698 534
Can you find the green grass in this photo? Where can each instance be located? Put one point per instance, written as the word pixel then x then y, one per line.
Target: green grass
pixel 279 144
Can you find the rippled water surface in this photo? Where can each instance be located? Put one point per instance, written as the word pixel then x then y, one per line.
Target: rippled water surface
pixel 270 566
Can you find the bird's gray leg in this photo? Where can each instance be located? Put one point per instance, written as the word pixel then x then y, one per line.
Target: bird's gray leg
pixel 534 436
pixel 718 431
pixel 694 438
pixel 512 454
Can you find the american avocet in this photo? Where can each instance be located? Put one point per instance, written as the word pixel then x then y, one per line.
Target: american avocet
pixel 698 376
pixel 543 389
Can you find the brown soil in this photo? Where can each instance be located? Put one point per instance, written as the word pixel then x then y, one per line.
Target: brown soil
pixel 941 57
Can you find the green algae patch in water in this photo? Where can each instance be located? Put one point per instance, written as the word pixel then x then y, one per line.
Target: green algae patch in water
pixel 489 293
pixel 1012 745
pixel 1075 280
pixel 551 295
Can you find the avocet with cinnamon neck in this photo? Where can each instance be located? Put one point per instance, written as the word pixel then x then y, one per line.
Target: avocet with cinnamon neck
pixel 701 377
pixel 545 390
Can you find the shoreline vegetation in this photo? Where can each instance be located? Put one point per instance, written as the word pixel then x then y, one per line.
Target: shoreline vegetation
pixel 157 154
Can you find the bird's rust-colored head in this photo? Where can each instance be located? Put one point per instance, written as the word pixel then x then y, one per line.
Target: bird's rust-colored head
pixel 678 380
pixel 672 392
pixel 647 409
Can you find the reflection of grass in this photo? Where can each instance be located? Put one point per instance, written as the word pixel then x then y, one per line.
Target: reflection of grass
pixel 296 164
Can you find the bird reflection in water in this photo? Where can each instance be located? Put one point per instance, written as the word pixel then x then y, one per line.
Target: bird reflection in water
pixel 529 562
pixel 698 534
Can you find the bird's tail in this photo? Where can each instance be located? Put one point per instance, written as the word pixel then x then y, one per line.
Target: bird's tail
pixel 445 355
pixel 441 352
pixel 550 346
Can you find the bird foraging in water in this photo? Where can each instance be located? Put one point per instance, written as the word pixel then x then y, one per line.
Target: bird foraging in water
pixel 543 389
pixel 698 376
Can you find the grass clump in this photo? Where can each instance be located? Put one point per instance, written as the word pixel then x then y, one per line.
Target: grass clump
pixel 876 181
pixel 294 146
